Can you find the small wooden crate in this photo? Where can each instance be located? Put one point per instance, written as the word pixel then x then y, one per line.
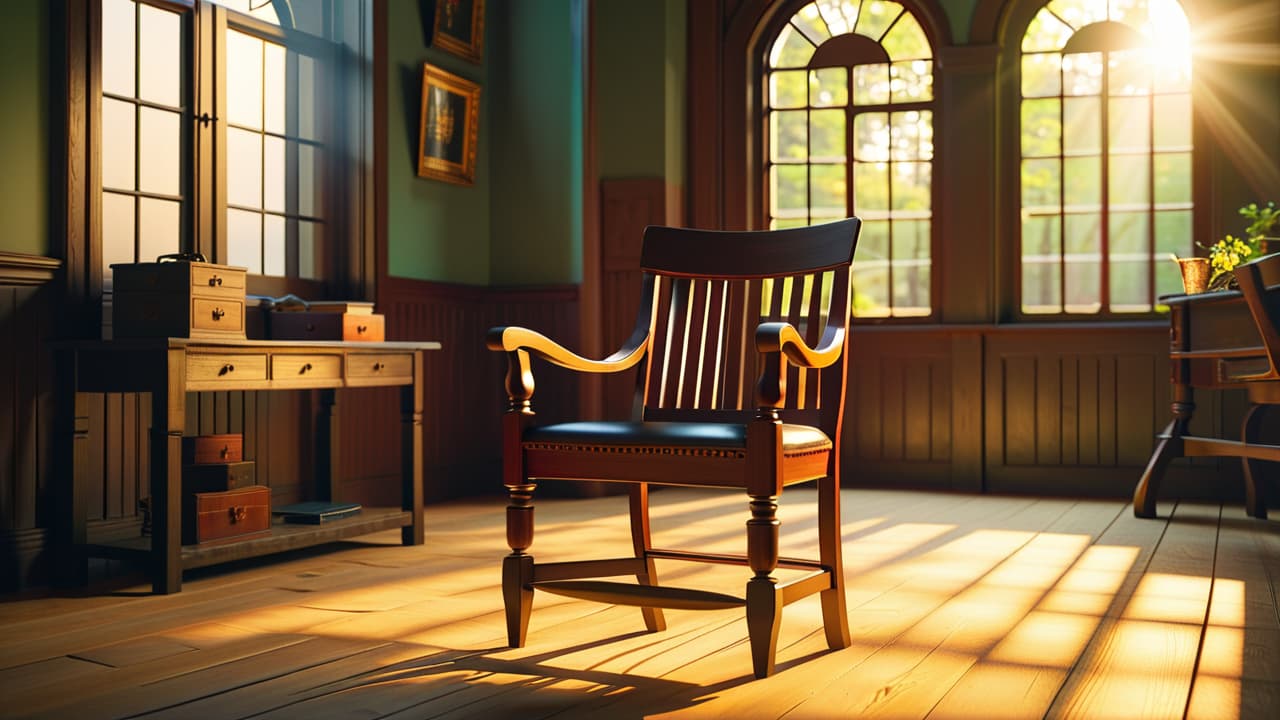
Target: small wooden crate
pixel 183 298
pixel 328 326
pixel 215 449
pixel 217 477
pixel 226 516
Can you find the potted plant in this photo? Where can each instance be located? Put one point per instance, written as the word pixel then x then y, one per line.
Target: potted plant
pixel 1230 252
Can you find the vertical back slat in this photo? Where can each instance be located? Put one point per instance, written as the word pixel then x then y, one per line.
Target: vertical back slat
pixel 691 348
pixel 796 376
pixel 659 356
pixel 813 333
pixel 713 346
pixel 677 331
pixel 730 397
pixel 746 399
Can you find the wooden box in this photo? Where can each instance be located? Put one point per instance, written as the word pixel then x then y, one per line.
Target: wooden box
pixel 205 449
pixel 177 299
pixel 226 516
pixel 217 477
pixel 328 326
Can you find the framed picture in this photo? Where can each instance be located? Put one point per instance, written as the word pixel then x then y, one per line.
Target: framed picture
pixel 459 28
pixel 450 125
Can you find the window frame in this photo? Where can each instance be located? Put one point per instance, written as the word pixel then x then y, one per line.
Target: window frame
pixel 348 197
pixel 757 131
pixel 1008 87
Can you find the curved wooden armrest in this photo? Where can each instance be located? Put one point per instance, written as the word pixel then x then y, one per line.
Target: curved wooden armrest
pixel 513 339
pixel 777 339
pixel 783 337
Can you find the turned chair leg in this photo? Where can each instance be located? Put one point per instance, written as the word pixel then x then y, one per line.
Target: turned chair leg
pixel 641 543
pixel 764 599
pixel 835 617
pixel 517 568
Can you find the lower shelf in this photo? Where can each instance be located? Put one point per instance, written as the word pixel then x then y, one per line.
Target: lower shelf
pixel 284 536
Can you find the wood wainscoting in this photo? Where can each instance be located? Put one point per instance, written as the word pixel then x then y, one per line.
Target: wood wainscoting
pixel 1068 409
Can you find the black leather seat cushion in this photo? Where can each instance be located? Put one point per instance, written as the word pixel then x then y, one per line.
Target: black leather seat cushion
pixel 795 438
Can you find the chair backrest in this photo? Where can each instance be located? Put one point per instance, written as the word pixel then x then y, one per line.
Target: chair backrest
pixel 707 291
pixel 1260 284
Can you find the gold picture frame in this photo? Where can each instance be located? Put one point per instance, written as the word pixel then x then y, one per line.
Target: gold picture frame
pixel 449 127
pixel 459 28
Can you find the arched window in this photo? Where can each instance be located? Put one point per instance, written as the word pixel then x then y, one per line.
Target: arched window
pixel 1106 155
pixel 849 118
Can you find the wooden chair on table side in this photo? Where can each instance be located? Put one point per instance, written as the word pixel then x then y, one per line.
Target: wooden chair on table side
pixel 698 421
pixel 1260 285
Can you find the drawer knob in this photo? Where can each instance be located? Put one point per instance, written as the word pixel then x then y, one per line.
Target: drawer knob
pixel 360 329
pixel 228 368
pixel 237 513
pixel 304 368
pixel 218 314
pixel 311 327
pixel 224 452
pixel 215 281
pixel 377 367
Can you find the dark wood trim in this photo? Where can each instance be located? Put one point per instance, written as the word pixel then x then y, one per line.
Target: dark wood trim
pixel 22 269
pixel 378 252
pixel 591 332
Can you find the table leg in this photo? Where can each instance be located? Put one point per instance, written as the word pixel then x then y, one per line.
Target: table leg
pixel 328 459
pixel 411 454
pixel 1169 447
pixel 71 460
pixel 1255 503
pixel 168 420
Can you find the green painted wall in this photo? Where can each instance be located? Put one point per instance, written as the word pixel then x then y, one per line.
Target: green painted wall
pixel 630 88
pixel 960 16
pixel 521 222
pixel 536 70
pixel 435 230
pixel 24 127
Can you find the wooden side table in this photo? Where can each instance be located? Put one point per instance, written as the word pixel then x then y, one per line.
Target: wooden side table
pixel 169 368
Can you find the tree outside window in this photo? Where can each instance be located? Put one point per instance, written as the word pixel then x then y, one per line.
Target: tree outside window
pixel 849 116
pixel 1106 143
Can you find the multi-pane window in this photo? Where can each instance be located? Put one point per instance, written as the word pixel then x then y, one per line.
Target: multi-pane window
pixel 849 117
pixel 145 142
pixel 241 171
pixel 1106 155
pixel 274 159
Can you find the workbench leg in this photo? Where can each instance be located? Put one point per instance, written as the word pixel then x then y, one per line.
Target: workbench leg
pixel 168 420
pixel 411 455
pixel 1169 447
pixel 1255 501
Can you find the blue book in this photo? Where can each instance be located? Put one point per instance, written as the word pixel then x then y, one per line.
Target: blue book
pixel 316 512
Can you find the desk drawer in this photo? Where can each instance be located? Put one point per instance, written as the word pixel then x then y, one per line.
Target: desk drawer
pixel 215 279
pixel 223 315
pixel 379 365
pixel 229 368
pixel 285 368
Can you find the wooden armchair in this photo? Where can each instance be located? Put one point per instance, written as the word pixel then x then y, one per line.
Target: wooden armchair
pixel 718 309
pixel 1259 283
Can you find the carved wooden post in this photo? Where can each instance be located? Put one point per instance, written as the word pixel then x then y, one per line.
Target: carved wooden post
pixel 517 568
pixel 764 599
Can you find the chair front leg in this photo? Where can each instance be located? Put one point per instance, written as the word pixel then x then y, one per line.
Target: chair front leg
pixel 517 568
pixel 764 599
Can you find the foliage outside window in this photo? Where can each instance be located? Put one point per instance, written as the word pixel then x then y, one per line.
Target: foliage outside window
pixel 849 117
pixel 1106 148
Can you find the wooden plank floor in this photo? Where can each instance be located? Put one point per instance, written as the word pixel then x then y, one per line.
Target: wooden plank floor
pixel 961 606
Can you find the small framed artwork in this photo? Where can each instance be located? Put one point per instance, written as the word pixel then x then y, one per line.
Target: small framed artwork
pixel 459 28
pixel 449 128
